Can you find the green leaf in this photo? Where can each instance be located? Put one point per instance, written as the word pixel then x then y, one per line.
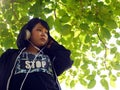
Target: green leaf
pixel 111 24
pixel 24 18
pixel 113 77
pixel 87 39
pixel 2 27
pixel 117 57
pixel 104 83
pixel 77 62
pixel 74 73
pixel 118 42
pixel 84 66
pixel 36 8
pixel 84 26
pixel 61 12
pixel 57 25
pixel 65 18
pixel 113 50
pixel 118 74
pixel 105 33
pixel 97 49
pixel 91 17
pixel 50 21
pixel 64 1
pixel 94 73
pixel 72 83
pixel 83 82
pixel 47 10
pixel 107 1
pixel 86 71
pixel 4 33
pixel 47 0
pixel 90 77
pixel 117 35
pixel 112 83
pixel 103 76
pixel 91 84
pixel 8 42
pixel 66 29
pixel 115 65
pixel 95 29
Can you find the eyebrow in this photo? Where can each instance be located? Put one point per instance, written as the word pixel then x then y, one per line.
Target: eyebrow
pixel 42 28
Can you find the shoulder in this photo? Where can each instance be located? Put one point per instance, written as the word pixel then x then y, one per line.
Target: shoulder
pixel 11 50
pixel 8 52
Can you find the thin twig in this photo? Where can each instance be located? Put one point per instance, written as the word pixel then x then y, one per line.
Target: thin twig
pixel 105 55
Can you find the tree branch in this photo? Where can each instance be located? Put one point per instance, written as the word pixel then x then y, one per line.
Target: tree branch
pixel 105 55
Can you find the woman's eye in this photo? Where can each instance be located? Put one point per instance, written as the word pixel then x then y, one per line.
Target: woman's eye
pixel 39 30
pixel 46 32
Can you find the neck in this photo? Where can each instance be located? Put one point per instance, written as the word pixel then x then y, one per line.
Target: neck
pixel 32 49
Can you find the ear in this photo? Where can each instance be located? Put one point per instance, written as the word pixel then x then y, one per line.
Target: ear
pixel 28 34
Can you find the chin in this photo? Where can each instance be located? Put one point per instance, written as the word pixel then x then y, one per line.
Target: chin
pixel 42 44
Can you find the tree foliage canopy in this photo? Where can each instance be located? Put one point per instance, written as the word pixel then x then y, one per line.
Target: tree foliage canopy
pixel 86 27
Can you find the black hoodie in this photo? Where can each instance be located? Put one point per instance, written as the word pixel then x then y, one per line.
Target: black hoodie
pixel 59 56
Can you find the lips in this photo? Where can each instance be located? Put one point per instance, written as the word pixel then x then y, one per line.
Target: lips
pixel 42 39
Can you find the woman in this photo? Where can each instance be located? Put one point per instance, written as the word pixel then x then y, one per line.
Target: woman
pixel 36 63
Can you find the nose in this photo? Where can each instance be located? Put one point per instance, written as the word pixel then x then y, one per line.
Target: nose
pixel 43 34
pixel 44 31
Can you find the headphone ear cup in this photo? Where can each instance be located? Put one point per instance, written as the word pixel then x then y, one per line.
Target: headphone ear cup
pixel 28 34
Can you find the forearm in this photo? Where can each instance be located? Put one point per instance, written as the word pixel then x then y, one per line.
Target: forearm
pixel 62 59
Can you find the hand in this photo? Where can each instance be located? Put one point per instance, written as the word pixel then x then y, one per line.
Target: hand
pixel 50 42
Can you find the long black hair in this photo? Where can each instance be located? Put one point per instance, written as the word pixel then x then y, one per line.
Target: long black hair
pixel 21 39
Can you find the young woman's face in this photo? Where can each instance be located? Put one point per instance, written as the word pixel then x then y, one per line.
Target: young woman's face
pixel 39 35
